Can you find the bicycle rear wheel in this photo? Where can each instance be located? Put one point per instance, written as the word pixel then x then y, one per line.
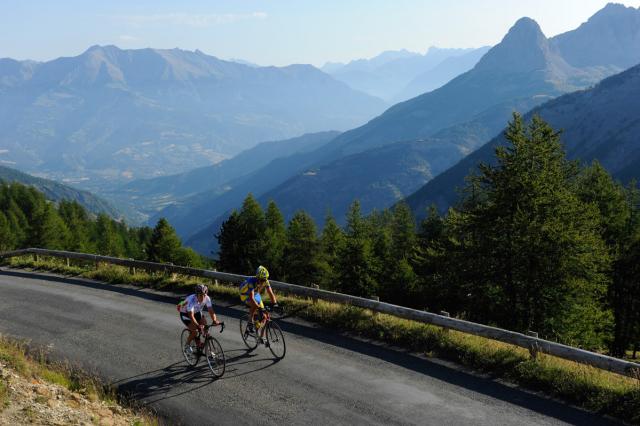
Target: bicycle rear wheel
pixel 249 336
pixel 190 352
pixel 215 356
pixel 275 339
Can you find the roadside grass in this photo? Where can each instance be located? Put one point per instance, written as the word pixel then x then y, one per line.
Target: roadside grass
pixel 588 387
pixel 34 364
pixel 4 394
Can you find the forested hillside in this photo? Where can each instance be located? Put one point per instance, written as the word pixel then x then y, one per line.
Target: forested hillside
pixel 28 219
pixel 537 243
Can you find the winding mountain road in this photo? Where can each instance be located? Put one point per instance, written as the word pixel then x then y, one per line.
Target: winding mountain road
pixel 130 338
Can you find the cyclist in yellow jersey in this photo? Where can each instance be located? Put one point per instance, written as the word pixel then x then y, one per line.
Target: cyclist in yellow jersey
pixel 250 290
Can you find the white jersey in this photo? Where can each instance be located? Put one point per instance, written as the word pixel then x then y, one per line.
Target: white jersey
pixel 191 304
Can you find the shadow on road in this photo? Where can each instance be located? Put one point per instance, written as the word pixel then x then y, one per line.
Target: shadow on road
pixel 169 382
pixel 177 378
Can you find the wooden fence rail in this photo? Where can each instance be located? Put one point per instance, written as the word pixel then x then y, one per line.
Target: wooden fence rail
pixel 604 362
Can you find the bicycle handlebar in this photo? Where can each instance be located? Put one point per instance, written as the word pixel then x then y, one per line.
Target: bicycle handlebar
pixel 220 323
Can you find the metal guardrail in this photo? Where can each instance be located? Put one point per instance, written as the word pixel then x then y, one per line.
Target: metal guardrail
pixel 533 344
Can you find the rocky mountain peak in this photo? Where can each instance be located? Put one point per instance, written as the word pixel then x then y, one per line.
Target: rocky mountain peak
pixel 524 48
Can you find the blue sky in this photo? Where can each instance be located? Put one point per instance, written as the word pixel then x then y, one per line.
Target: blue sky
pixel 274 32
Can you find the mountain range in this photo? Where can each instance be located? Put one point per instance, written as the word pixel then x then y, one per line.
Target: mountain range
pixel 439 128
pixel 113 115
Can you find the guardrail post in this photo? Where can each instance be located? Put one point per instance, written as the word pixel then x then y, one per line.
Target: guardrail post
pixel 67 261
pixel 377 299
pixel 132 269
pixel 448 315
pixel 35 257
pixel 174 276
pixel 317 287
pixel 533 348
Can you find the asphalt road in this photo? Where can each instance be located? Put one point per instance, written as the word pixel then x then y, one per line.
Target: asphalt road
pixel 130 337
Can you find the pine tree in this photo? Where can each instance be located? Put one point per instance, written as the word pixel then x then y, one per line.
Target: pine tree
pixel 356 269
pixel 165 245
pixel 186 256
pixel 302 251
pixel 332 241
pixel 48 230
pixel 624 292
pixel 230 245
pixel 7 239
pixel 399 285
pixel 535 245
pixel 107 241
pixel 275 239
pixel 252 235
pixel 76 219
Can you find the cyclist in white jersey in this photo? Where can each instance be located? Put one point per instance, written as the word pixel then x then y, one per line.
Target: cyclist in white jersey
pixel 191 309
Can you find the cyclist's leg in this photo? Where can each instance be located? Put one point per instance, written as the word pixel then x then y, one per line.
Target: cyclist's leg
pixel 199 317
pixel 253 306
pixel 261 322
pixel 186 320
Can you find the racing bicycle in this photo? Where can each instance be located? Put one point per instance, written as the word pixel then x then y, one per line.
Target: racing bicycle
pixel 273 336
pixel 211 349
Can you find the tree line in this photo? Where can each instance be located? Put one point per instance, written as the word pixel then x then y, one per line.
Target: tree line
pixel 536 242
pixel 28 219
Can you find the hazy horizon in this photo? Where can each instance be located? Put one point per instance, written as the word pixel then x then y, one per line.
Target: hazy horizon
pixel 279 34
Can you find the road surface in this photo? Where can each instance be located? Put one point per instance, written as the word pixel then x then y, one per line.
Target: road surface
pixel 130 337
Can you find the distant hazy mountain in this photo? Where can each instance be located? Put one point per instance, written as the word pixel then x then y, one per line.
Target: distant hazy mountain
pixel 388 74
pixel 441 74
pixel 601 123
pixel 611 36
pixel 368 64
pixel 151 195
pixel 115 114
pixel 55 191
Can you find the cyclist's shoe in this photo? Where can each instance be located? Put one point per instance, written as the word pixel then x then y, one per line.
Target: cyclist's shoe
pixel 261 341
pixel 250 328
pixel 188 349
pixel 266 344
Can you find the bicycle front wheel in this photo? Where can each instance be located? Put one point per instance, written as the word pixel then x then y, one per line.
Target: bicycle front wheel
pixel 189 351
pixel 215 357
pixel 248 333
pixel 275 339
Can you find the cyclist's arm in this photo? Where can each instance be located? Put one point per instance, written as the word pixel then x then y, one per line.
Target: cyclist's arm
pixel 272 295
pixel 252 297
pixel 212 314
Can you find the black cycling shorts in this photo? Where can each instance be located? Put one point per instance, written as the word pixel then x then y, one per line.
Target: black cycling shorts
pixel 186 318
